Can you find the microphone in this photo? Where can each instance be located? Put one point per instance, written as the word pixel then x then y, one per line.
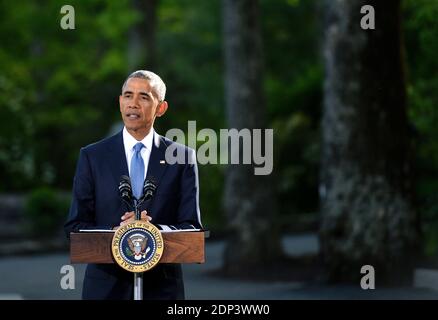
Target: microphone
pixel 125 189
pixel 149 188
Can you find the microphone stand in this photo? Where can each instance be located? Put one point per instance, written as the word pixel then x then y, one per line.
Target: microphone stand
pixel 137 209
pixel 138 276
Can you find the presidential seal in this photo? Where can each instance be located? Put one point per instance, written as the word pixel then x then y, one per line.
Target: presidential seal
pixel 137 246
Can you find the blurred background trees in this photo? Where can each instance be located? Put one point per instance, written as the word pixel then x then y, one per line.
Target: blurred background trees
pixel 249 203
pixel 366 190
pixel 59 91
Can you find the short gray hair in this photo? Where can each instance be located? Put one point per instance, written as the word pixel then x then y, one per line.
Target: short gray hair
pixel 156 82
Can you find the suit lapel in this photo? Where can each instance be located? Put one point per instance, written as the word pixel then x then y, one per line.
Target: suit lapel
pixel 117 158
pixel 157 161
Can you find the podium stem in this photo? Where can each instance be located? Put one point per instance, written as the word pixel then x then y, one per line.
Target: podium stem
pixel 138 286
pixel 137 210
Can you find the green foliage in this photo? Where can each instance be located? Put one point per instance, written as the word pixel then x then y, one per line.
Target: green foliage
pixel 211 181
pixel 189 42
pixel 57 86
pixel 293 87
pixel 421 32
pixel 15 131
pixel 45 210
pixel 297 163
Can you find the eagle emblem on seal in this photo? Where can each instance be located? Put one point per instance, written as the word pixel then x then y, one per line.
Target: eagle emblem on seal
pixel 138 246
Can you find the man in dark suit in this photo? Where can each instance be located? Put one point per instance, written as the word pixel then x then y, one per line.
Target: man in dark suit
pixel 96 201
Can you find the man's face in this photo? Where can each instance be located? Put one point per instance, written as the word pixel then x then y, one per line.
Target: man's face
pixel 139 106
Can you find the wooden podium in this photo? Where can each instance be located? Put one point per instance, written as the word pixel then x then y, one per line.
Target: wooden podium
pixel 179 247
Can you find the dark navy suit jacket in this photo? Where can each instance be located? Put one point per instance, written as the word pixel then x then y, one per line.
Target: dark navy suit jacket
pixel 96 204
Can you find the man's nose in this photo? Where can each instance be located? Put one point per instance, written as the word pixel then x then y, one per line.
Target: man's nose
pixel 135 102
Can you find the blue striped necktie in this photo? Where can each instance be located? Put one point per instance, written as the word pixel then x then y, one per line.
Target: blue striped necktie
pixel 137 171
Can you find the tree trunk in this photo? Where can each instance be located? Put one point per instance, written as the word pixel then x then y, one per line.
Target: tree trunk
pixel 254 241
pixel 141 47
pixel 366 188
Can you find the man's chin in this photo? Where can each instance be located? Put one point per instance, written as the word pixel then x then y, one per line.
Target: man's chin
pixel 135 129
pixel 131 125
pixel 132 128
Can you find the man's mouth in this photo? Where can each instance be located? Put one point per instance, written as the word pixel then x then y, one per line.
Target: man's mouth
pixel 133 116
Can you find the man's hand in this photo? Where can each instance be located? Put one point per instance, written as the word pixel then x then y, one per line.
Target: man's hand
pixel 129 217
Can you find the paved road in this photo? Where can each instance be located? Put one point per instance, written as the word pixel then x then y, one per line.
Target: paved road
pixel 38 277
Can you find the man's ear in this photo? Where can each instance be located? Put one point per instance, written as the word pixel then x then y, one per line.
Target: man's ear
pixel 161 109
pixel 120 103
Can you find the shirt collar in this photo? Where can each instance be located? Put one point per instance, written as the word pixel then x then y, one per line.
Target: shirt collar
pixel 130 141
